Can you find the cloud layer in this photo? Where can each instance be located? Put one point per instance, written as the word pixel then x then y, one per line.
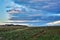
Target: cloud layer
pixel 55 23
pixel 49 5
pixel 34 12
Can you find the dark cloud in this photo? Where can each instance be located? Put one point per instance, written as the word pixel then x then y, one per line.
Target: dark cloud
pixel 48 5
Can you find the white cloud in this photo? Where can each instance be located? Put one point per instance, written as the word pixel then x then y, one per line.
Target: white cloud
pixel 53 14
pixel 14 24
pixel 53 23
pixel 2 23
pixel 16 6
pixel 12 4
pixel 56 14
pixel 22 21
pixel 21 24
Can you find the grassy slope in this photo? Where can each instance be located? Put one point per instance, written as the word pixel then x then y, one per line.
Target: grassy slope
pixel 30 33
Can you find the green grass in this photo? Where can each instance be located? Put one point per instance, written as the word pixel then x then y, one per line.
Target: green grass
pixel 52 33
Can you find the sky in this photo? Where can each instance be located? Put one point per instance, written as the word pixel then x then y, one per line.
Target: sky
pixel 30 12
pixel 2 11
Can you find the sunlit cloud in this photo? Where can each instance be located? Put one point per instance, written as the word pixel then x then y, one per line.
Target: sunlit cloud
pixel 53 23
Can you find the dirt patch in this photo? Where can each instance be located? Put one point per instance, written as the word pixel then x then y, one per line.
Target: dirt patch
pixel 42 32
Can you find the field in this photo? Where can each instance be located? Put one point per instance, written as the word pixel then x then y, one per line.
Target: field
pixel 30 33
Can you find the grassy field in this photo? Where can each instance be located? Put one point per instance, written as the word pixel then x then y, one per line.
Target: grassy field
pixel 30 33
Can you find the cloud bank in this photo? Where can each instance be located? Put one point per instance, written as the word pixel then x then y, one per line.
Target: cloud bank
pixel 34 12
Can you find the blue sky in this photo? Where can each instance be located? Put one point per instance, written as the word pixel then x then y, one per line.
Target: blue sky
pixel 3 14
pixel 32 12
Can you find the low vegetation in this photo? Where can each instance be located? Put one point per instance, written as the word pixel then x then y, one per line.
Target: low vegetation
pixel 29 33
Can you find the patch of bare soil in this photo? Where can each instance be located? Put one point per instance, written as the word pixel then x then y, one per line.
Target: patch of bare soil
pixel 42 32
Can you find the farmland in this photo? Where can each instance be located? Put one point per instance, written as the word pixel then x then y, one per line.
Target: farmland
pixel 30 33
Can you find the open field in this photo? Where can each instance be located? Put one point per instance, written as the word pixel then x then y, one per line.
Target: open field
pixel 30 33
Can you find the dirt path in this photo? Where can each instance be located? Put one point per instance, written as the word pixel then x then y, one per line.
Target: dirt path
pixel 39 34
